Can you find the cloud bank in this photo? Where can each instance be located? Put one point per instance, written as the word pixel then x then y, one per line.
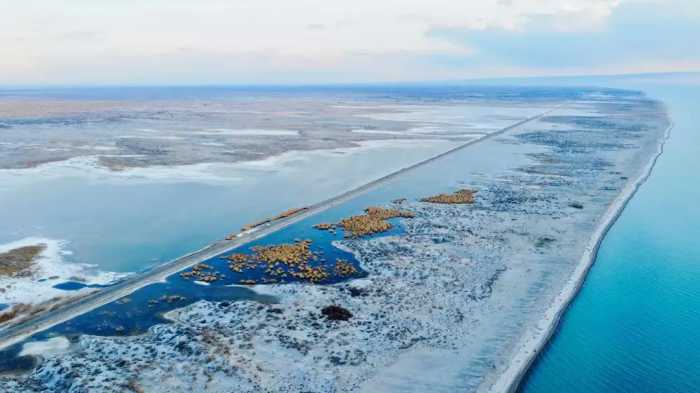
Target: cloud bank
pixel 311 41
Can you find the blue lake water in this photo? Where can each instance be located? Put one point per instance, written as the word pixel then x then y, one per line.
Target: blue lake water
pixel 635 325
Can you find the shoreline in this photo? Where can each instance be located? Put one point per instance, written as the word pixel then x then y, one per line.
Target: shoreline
pixel 536 338
pixel 49 268
pixel 17 333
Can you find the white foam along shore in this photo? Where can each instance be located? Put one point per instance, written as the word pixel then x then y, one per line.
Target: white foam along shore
pixel 534 340
pixel 49 269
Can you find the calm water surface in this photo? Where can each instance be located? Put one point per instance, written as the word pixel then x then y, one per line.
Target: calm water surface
pixel 635 326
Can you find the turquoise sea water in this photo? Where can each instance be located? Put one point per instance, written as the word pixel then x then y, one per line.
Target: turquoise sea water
pixel 635 325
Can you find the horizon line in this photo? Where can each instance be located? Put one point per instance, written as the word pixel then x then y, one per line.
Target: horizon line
pixel 447 82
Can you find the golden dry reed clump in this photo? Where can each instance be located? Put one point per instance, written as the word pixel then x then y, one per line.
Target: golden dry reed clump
pixel 240 262
pixel 324 226
pixel 373 221
pixel 388 213
pixel 362 225
pixel 464 196
pixel 201 272
pixel 238 258
pixel 308 273
pixel 288 254
pixel 295 256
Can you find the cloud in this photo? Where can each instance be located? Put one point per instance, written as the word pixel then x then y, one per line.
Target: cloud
pixel 271 41
pixel 636 32
pixel 80 35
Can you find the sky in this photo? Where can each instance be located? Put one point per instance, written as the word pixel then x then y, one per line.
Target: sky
pixel 76 42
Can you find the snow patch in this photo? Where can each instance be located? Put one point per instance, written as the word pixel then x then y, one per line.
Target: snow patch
pixel 49 269
pixel 52 346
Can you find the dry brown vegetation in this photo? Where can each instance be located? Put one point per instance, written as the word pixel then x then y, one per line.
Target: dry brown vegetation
pixel 384 213
pixel 18 262
pixel 373 221
pixel 308 273
pixel 293 259
pixel 281 260
pixel 364 224
pixel 201 272
pixel 16 310
pixel 288 254
pixel 464 196
pixel 21 311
